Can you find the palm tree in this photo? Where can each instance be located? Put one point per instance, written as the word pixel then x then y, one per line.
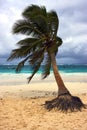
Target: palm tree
pixel 41 44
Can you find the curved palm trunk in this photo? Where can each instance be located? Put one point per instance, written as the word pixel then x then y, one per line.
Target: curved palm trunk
pixel 61 87
pixel 65 101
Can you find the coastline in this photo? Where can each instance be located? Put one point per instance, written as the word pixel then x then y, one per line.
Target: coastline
pixel 17 84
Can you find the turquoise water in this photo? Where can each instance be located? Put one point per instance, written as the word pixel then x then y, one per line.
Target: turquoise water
pixel 62 68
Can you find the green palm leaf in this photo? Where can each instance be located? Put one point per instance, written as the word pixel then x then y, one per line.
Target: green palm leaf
pixel 46 66
pixel 38 16
pixel 21 64
pixel 31 42
pixel 32 59
pixel 19 53
pixel 36 55
pixel 25 27
pixel 27 46
pixel 53 23
pixel 27 41
pixel 36 60
pixel 34 10
pixel 41 23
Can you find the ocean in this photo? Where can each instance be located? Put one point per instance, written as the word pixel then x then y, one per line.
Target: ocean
pixel 27 69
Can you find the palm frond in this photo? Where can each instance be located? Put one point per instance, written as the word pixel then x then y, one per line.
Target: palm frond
pixel 36 55
pixel 27 41
pixel 36 63
pixel 41 24
pixel 33 59
pixel 46 66
pixel 34 10
pixel 35 69
pixel 19 53
pixel 38 16
pixel 21 64
pixel 31 42
pixel 25 27
pixel 53 23
pixel 26 47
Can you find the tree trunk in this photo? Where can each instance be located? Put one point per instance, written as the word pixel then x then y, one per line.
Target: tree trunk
pixel 61 87
pixel 65 101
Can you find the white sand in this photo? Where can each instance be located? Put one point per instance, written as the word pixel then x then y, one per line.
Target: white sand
pixel 16 84
pixel 19 112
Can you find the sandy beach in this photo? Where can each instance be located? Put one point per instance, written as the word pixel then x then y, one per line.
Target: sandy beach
pixel 21 103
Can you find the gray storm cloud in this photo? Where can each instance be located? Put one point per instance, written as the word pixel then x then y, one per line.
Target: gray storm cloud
pixel 73 27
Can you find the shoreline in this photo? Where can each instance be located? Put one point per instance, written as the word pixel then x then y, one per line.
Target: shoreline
pixel 18 84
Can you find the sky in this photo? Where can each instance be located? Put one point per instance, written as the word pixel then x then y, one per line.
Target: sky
pixel 72 28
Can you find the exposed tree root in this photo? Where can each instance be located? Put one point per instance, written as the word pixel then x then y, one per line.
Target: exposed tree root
pixel 65 103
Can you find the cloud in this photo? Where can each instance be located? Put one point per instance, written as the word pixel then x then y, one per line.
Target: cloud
pixel 73 27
